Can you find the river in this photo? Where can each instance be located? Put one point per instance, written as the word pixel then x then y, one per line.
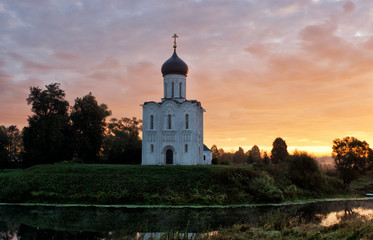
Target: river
pixel 93 222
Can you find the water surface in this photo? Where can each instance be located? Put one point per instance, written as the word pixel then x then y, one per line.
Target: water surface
pixel 47 222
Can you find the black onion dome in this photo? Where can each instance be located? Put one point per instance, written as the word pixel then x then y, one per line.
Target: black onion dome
pixel 174 65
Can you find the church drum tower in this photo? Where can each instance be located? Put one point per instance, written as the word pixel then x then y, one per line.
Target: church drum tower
pixel 172 131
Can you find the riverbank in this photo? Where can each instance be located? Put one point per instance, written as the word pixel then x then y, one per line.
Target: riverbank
pixel 68 183
pixel 354 229
pixel 249 205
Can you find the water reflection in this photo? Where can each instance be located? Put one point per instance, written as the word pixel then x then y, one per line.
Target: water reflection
pixel 24 222
pixel 346 215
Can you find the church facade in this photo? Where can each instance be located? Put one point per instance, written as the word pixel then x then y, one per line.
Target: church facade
pixel 172 131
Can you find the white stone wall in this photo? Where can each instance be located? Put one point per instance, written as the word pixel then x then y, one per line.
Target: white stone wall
pixel 157 140
pixel 174 86
pixel 207 157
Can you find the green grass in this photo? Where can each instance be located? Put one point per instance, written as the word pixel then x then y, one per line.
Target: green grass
pixel 68 183
pixel 111 184
pixel 364 183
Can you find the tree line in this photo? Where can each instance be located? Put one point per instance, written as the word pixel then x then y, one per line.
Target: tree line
pixel 352 157
pixel 278 154
pixel 59 132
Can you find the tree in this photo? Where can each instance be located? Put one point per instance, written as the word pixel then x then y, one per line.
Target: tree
pixel 239 156
pixel 47 138
pixel 88 124
pixel 304 171
pixel 15 143
pixel 370 160
pixel 4 143
pixel 226 158
pixel 279 151
pixel 215 152
pixel 254 155
pixel 266 159
pixel 221 152
pixel 351 156
pixel 122 142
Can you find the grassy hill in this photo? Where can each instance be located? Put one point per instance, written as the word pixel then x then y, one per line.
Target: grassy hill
pixel 155 185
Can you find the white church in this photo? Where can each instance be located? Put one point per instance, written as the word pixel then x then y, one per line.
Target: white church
pixel 172 132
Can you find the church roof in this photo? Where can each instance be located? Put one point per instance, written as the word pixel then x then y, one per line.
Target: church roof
pixel 177 102
pixel 205 148
pixel 174 65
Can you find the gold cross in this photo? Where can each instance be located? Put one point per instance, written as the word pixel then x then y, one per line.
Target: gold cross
pixel 174 37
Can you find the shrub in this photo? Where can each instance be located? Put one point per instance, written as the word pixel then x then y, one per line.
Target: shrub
pixel 331 172
pixel 224 162
pixel 304 171
pixel 239 177
pixel 264 190
pixel 290 192
pixel 332 184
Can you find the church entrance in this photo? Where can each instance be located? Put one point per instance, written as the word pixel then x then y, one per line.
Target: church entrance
pixel 169 156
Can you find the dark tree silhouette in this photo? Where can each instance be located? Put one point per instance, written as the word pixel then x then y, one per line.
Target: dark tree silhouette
pixel 254 155
pixel 215 152
pixel 4 143
pixel 239 156
pixel 351 156
pixel 279 151
pixel 88 123
pixel 15 144
pixel 266 159
pixel 304 171
pixel 122 142
pixel 47 138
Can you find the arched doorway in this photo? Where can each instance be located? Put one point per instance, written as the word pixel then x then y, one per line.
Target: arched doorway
pixel 169 156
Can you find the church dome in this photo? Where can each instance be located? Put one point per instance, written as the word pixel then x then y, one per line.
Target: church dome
pixel 174 65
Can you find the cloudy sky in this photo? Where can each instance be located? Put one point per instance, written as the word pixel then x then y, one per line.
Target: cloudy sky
pixel 297 69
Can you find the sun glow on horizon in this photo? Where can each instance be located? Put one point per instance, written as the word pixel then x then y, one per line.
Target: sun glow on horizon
pixel 317 151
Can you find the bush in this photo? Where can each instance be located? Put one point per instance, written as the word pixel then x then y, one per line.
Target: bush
pixel 304 171
pixel 238 177
pixel 331 172
pixel 214 161
pixel 224 162
pixel 332 185
pixel 290 192
pixel 264 190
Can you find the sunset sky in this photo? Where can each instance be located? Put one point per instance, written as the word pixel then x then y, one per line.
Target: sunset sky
pixel 297 69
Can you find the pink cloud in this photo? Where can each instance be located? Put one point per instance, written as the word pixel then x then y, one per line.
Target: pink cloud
pixel 109 63
pixel 66 56
pixel 348 6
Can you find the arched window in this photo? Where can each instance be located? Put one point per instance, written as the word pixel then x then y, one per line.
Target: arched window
pixel 204 157
pixel 169 121
pixel 152 147
pixel 180 90
pixel 187 121
pixel 186 147
pixel 151 122
pixel 173 88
